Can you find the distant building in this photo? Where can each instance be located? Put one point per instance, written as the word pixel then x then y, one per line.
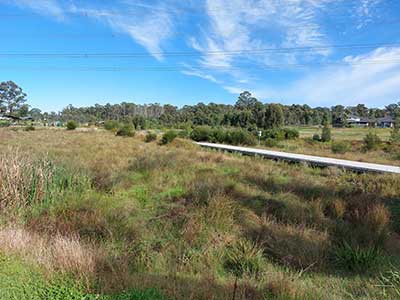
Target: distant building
pixel 358 121
pixel 385 122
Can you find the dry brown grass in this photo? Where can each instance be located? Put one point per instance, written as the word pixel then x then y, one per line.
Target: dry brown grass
pixel 56 254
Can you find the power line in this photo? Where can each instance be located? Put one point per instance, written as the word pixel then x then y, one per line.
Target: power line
pixel 211 67
pixel 192 53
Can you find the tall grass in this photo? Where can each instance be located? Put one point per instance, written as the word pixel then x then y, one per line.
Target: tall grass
pixel 25 181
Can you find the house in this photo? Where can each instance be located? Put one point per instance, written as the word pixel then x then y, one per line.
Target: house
pixel 385 122
pixel 354 120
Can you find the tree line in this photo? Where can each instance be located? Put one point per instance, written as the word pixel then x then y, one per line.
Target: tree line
pixel 248 112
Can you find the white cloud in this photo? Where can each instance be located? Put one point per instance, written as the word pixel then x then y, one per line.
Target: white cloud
pixel 149 28
pixel 193 72
pixel 44 7
pixel 255 25
pixel 373 79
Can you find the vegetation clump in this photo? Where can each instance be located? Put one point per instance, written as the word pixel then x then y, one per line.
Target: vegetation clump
pixel 112 125
pixel 326 135
pixel 168 137
pixel 126 130
pixel 150 137
pixel 233 136
pixel 340 147
pixel 371 141
pixel 72 125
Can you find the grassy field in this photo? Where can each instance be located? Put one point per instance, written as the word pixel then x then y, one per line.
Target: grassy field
pixel 89 215
pixel 386 153
pixel 348 134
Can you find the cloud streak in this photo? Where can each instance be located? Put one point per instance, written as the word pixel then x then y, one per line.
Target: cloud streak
pixel 372 78
pixel 43 7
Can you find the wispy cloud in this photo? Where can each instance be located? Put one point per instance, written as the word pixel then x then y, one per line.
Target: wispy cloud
pixel 44 7
pixel 257 25
pixel 372 78
pixel 149 28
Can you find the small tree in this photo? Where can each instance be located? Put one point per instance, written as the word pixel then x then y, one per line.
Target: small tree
pixel 12 98
pixel 71 125
pixel 326 135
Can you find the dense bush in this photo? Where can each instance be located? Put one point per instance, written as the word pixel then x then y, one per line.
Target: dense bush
pixel 150 137
pixel 234 136
pixel 72 125
pixel 240 137
pixel 111 125
pixel 126 130
pixel 168 137
pixel 291 133
pixel 340 147
pixel 201 134
pixel 326 135
pixel 276 134
pixel 371 141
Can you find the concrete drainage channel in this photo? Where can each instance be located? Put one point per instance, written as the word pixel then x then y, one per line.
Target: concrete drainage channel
pixel 313 160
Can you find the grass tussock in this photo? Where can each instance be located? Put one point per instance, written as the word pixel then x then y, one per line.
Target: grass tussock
pixel 25 181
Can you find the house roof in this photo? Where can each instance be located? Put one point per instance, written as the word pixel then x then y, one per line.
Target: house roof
pixel 387 119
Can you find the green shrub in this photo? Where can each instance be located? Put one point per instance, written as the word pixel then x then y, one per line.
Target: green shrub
pixel 371 141
pixel 326 135
pixel 316 137
pixel 126 130
pixel 150 137
pixel 277 134
pixel 235 136
pixel 111 125
pixel 72 125
pixel 29 128
pixel 168 137
pixel 201 134
pixel 340 147
pixel 291 133
pixel 355 258
pixel 240 137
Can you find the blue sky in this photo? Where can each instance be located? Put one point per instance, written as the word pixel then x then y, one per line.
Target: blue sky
pixel 319 52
